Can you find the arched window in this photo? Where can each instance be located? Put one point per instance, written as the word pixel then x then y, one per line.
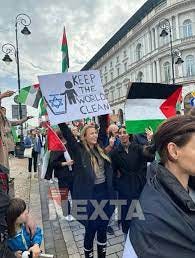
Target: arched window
pixel 187 28
pixel 140 77
pixel 190 65
pixel 167 72
pixel 139 51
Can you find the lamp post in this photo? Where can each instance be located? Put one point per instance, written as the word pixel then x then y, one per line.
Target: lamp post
pixel 166 30
pixel 10 49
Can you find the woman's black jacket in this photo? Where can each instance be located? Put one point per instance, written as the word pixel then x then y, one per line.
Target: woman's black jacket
pixel 84 176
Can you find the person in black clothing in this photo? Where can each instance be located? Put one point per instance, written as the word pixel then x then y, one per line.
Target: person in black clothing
pixel 129 161
pixel 64 172
pixel 192 178
pixel 92 181
pixel 168 229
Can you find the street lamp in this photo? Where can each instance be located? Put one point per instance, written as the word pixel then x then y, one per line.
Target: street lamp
pixel 9 49
pixel 166 30
pixel 177 53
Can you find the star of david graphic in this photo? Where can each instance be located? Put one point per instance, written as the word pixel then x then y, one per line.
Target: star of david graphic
pixel 56 102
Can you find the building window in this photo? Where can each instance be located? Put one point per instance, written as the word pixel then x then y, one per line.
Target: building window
pixel 110 64
pixel 106 79
pixel 105 68
pixel 138 51
pixel 111 76
pixel 117 59
pixel 125 67
pixel 190 66
pixel 167 72
pixel 125 53
pixel 140 77
pixel 187 28
pixel 118 71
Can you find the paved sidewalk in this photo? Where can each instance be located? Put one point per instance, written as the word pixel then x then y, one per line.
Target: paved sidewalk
pixel 61 238
pixel 26 189
pixel 73 232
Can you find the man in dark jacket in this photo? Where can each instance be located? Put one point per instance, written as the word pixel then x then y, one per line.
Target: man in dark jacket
pixel 129 161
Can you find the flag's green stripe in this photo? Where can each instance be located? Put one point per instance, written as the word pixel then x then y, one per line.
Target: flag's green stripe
pixel 64 48
pixel 64 65
pixel 23 94
pixel 138 126
pixel 43 110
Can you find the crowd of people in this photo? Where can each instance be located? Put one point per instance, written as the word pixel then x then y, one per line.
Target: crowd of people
pixel 152 170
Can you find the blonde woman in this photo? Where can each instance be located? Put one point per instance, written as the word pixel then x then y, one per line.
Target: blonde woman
pixel 93 181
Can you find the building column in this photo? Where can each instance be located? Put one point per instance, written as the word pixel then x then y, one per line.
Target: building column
pixel 177 27
pixel 153 72
pixel 156 37
pixel 150 41
pixel 158 70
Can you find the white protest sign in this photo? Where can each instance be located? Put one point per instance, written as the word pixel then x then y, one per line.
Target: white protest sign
pixel 73 96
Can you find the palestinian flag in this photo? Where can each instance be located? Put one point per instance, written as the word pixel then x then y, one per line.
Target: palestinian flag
pixel 30 96
pixel 64 49
pixel 54 142
pixel 148 104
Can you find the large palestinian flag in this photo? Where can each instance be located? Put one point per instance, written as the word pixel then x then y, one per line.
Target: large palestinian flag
pixel 148 104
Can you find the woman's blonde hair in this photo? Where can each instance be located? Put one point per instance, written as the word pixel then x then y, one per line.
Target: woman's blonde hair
pixel 98 148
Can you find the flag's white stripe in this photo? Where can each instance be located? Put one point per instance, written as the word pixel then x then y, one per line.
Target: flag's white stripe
pixel 31 96
pixel 143 109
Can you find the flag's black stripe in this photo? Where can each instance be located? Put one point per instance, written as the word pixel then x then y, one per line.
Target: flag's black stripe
pixel 37 99
pixel 141 90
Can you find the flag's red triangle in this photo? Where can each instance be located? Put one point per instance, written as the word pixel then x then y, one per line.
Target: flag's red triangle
pixel 54 142
pixel 36 86
pixel 168 107
pixel 64 39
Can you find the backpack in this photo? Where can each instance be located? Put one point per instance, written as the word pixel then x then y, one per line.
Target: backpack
pixel 4 201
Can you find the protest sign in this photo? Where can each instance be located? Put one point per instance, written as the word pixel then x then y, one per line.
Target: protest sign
pixel 73 96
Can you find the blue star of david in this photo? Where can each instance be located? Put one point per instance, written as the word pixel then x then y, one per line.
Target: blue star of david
pixel 56 102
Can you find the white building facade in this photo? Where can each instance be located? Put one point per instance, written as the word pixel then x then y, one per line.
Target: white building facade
pixel 140 54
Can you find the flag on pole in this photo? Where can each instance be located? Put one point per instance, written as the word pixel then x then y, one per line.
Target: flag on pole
pixel 148 104
pixel 54 142
pixel 30 96
pixel 64 49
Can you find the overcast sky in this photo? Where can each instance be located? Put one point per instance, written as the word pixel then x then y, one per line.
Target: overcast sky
pixel 89 25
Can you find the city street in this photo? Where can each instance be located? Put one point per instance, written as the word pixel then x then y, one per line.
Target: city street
pixel 61 238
